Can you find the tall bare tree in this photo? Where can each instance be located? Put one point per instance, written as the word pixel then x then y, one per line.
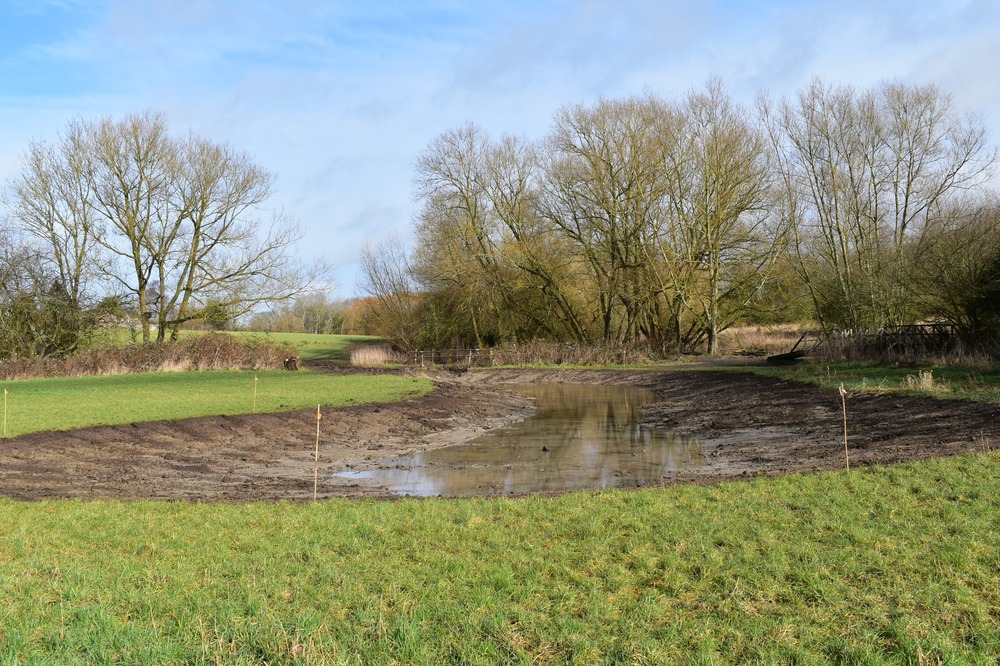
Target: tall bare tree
pixel 177 225
pixel 723 238
pixel 52 201
pixel 604 188
pixel 483 258
pixel 866 174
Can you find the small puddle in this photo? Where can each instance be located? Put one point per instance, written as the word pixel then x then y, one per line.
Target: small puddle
pixel 581 437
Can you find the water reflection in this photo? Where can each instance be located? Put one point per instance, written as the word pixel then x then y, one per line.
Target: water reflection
pixel 582 436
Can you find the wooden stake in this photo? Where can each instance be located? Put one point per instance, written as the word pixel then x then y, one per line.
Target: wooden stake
pixel 254 394
pixel 843 404
pixel 5 411
pixel 319 417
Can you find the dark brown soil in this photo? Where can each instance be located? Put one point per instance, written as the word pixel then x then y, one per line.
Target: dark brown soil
pixel 748 425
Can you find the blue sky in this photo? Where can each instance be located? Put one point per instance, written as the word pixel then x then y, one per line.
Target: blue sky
pixel 338 99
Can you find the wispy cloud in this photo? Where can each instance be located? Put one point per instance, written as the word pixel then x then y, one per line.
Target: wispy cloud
pixel 339 98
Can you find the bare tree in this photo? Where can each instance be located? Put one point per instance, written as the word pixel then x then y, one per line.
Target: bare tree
pixel 721 240
pixel 387 277
pixel 456 255
pixel 52 201
pixel 603 191
pixel 223 253
pixel 866 176
pixel 125 200
pixel 483 259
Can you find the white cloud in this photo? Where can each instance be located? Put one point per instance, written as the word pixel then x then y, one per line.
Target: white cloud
pixel 339 98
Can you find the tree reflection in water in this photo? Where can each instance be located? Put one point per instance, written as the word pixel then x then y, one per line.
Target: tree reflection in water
pixel 581 437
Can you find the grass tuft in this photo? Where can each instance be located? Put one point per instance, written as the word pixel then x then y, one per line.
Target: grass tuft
pixel 950 382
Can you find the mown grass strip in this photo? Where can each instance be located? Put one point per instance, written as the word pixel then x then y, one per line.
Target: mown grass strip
pixel 890 565
pixel 77 402
pixel 320 346
pixel 955 383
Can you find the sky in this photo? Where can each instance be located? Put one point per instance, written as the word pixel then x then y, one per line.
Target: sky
pixel 338 99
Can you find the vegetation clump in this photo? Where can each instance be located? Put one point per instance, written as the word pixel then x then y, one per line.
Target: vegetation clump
pixel 209 351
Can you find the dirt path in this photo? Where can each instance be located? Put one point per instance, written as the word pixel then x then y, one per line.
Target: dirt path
pixel 748 425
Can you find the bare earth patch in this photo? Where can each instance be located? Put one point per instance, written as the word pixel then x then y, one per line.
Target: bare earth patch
pixel 748 425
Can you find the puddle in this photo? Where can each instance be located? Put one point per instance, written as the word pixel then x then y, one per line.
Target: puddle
pixel 581 437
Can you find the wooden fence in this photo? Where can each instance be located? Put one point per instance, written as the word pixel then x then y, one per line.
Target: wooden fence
pixel 449 357
pixel 913 338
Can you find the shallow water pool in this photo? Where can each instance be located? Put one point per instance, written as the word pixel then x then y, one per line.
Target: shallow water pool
pixel 580 437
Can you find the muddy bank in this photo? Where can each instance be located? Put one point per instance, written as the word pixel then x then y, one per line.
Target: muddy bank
pixel 747 425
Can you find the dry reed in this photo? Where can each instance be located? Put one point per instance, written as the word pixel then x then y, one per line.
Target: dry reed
pixel 375 356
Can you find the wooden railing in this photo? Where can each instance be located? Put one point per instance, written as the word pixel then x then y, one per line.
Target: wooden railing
pixel 448 357
pixel 909 338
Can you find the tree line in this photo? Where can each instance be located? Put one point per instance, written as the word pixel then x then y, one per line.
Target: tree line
pixel 662 222
pixel 121 219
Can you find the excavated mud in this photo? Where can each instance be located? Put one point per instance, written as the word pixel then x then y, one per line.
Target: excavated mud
pixel 746 425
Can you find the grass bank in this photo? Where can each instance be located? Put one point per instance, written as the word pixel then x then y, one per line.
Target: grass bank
pixel 877 566
pixel 76 402
pixel 940 382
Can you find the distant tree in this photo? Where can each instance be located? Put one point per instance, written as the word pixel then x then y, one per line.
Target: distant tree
pixel 387 277
pixel 126 201
pixel 313 312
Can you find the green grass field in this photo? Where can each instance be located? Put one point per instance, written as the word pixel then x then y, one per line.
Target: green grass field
pixel 320 347
pixel 884 565
pixel 939 382
pixel 76 402
pixel 311 347
pixel 876 566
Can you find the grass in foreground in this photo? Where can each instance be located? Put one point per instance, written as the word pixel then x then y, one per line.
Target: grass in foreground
pixel 77 402
pixel 939 382
pixel 877 566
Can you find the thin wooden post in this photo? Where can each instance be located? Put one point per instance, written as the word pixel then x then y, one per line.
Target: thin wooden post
pixel 843 404
pixel 319 417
